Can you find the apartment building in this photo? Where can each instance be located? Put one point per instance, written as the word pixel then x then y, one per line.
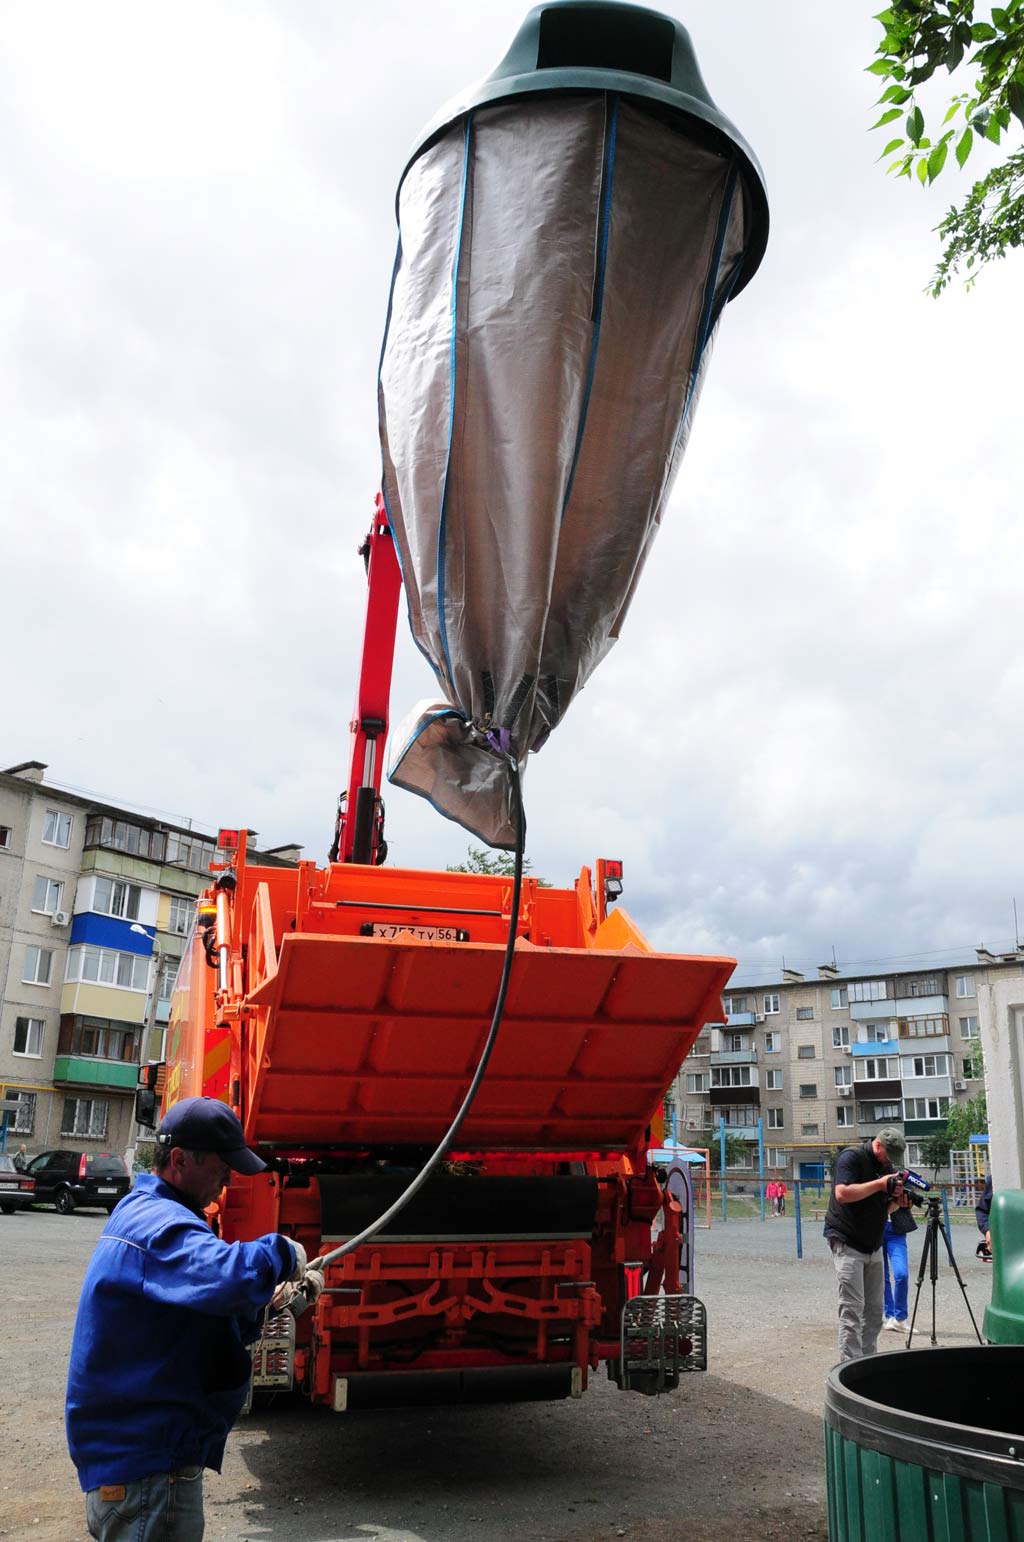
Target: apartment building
pixel 825 1062
pixel 96 902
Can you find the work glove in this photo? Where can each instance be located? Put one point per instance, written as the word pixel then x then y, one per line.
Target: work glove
pixel 300 1262
pixel 312 1284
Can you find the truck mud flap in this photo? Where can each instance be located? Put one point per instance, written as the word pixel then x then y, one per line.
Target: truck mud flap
pixel 662 1336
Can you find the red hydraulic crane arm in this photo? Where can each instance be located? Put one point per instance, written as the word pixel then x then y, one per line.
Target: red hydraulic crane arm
pixel 360 817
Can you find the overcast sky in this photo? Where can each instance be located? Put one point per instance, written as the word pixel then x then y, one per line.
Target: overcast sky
pixel 810 736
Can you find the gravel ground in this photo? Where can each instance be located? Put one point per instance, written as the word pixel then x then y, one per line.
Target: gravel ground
pixel 732 1454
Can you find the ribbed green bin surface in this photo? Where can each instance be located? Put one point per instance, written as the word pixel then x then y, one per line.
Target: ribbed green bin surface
pixel 927 1446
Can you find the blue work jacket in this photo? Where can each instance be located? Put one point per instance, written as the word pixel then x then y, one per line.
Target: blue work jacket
pixel 159 1370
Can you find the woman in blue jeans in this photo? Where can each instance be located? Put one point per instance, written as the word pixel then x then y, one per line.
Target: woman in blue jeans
pixel 894 1253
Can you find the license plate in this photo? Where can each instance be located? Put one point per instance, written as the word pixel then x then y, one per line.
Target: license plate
pixel 101 1190
pixel 8 1185
pixel 425 933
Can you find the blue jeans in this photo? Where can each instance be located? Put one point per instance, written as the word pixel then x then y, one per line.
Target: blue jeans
pixel 895 1250
pixel 166 1507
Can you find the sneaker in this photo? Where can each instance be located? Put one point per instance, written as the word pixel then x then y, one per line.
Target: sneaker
pixel 889 1323
pixel 900 1324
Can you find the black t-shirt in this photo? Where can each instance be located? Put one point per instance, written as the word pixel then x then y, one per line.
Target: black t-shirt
pixel 860 1222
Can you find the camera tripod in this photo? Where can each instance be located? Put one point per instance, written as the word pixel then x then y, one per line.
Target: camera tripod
pixel 930 1261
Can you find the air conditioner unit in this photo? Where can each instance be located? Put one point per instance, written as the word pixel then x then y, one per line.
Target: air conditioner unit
pixel 845 1092
pixel 60 918
pixel 758 1017
pixel 845 1048
pixel 959 1086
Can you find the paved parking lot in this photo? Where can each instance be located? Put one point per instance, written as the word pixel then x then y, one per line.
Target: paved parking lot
pixel 735 1453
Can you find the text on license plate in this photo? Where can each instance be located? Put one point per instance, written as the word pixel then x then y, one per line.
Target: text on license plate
pixel 424 933
pixel 8 1185
pixel 101 1190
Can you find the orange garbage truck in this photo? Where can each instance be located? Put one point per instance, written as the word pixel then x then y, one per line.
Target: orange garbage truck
pixel 455 1078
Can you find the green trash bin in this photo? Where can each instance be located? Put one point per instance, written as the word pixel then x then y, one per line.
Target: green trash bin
pixel 1004 1316
pixel 927 1446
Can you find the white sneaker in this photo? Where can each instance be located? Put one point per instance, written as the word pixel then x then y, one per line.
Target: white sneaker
pixel 900 1324
pixel 890 1323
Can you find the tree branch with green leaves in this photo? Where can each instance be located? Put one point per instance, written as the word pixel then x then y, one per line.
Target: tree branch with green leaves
pixel 920 39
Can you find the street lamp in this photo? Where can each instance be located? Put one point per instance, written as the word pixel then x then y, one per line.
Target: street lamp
pixel 149 1016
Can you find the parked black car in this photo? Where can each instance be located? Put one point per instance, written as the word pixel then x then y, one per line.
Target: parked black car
pixel 16 1189
pixel 69 1179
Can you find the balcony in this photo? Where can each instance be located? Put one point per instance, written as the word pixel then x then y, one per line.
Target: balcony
pixel 872 1011
pixel 741 1020
pixel 878 1048
pixel 734 1057
pixel 919 1006
pixel 85 1071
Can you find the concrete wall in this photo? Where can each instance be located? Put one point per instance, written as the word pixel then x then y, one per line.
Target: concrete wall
pixel 1001 1022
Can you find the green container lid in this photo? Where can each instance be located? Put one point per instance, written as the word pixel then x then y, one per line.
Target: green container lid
pixel 605 45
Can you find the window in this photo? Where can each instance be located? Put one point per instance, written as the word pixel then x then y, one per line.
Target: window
pixel 867 990
pixel 840 1038
pixel 923 1027
pixel 805 1014
pixel 931 1065
pixel 771 1004
pixel 46 896
pixel 808 1089
pixel 38 966
pixel 119 835
pixel 57 828
pixel 182 908
pixel 844 1115
pixel 843 1075
pixel 774 1156
pixel 808 1129
pixel 85 1117
pixel 735 1043
pixel 972 1068
pixel 697 1081
pixel 28 1036
pixel 735 1004
pixel 702 1045
pixel 102 966
pixel 730 1076
pixel 24 1118
pixel 165 978
pixel 735 1116
pixel 923 985
pixel 805 1052
pixel 111 897
pixel 880 1070
pixel 965 985
pixel 839 998
pixel 193 852
pixel 5 837
pixel 772 1043
pixel 878 1113
pixel 775 1118
pixel 968 1027
pixel 104 1041
pixel 926 1108
pixel 773 1081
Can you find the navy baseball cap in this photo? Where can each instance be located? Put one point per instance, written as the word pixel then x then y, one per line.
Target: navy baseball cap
pixel 207 1124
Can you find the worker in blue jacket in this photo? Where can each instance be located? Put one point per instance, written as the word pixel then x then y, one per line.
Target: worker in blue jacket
pixel 159 1366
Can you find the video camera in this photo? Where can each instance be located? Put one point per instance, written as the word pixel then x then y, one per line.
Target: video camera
pixel 913 1185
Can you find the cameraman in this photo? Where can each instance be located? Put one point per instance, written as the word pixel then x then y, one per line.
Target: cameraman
pixel 864 1193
